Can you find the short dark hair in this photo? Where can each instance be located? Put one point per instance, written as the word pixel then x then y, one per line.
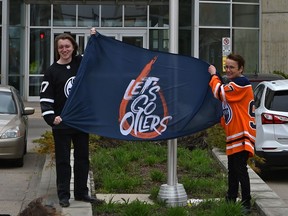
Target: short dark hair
pixel 64 36
pixel 238 58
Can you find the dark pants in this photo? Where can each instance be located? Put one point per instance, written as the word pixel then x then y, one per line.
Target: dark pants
pixel 238 172
pixel 62 139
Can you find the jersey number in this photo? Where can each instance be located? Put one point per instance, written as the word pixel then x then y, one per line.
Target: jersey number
pixel 44 86
pixel 252 114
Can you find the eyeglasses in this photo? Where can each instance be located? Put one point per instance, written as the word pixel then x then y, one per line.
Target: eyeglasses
pixel 229 67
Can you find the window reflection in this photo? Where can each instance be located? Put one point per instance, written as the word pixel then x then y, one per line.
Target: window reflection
pixel 245 41
pixel 111 16
pixel 135 16
pixel 159 40
pixel 88 15
pixel 34 85
pixel 210 45
pixel 0 14
pixel 251 1
pixel 245 15
pixel 159 15
pixel 214 14
pixel 185 42
pixel 39 59
pixel 15 18
pixel 14 67
pixel 64 15
pixel 40 15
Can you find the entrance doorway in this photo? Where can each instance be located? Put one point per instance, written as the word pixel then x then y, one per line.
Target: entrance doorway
pixel 136 38
pixel 133 37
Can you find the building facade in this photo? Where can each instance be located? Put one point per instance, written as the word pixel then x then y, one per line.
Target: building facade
pixel 208 29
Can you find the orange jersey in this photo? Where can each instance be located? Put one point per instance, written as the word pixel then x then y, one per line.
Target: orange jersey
pixel 238 113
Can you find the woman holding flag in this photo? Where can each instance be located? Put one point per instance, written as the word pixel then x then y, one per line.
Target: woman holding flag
pixel 55 88
pixel 239 123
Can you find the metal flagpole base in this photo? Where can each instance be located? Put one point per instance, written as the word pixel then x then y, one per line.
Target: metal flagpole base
pixel 173 195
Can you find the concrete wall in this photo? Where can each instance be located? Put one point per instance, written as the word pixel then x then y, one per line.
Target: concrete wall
pixel 274 53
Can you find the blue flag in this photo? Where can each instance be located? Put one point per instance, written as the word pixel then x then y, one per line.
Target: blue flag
pixel 130 93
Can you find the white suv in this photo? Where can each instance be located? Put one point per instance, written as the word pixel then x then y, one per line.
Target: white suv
pixel 271 113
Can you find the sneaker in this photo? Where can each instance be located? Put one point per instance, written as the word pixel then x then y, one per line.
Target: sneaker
pixel 64 203
pixel 89 199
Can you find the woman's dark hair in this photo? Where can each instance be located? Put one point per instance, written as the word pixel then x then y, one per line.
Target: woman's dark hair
pixel 63 37
pixel 239 59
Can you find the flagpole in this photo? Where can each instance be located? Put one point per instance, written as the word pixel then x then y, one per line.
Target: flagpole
pixel 173 193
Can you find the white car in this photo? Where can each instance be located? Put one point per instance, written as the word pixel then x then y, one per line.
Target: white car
pixel 271 114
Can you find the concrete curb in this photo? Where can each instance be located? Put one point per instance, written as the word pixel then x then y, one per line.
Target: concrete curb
pixel 47 190
pixel 267 201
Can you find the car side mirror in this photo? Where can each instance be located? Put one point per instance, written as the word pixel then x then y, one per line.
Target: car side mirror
pixel 28 111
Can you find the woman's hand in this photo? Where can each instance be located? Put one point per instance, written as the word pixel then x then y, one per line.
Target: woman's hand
pixel 57 120
pixel 93 30
pixel 212 70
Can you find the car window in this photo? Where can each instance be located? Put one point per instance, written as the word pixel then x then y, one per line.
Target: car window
pixel 279 101
pixel 7 104
pixel 19 98
pixel 258 94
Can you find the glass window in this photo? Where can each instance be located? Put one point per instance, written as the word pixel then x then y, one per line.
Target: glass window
pixel 39 59
pixel 14 81
pixel 15 18
pixel 14 50
pixel 7 103
pixel 135 16
pixel 246 43
pixel 279 101
pixel 214 14
pixel 34 85
pixel 40 15
pixel 64 15
pixel 245 15
pixel 185 13
pixel 111 16
pixel 88 15
pixel 251 1
pixel 185 42
pixel 0 13
pixel 133 40
pixel 159 40
pixel 159 16
pixel 0 55
pixel 210 45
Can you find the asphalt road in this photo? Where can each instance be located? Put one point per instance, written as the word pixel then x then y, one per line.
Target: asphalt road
pixel 18 186
pixel 277 180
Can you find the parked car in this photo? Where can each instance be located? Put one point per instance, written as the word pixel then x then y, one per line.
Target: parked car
pixel 271 114
pixel 255 79
pixel 13 125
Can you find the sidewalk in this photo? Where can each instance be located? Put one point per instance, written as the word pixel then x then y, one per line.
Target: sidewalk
pixel 266 200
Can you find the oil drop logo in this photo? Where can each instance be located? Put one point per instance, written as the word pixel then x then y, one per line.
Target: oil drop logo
pixel 137 115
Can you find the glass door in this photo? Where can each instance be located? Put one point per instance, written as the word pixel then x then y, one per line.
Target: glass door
pixel 133 37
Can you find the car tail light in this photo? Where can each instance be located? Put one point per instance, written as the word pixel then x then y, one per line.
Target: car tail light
pixel 268 118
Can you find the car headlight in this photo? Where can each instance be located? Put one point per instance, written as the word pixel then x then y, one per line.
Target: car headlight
pixel 11 133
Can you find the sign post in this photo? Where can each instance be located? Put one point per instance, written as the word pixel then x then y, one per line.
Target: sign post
pixel 226 50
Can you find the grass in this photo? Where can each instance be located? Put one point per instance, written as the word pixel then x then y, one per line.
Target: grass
pixel 141 167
